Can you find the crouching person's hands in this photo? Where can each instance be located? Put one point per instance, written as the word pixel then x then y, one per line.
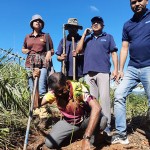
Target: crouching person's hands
pixel 36 72
pixel 86 144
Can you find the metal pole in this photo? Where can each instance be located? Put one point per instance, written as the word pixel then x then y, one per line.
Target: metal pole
pixel 74 60
pixel 30 114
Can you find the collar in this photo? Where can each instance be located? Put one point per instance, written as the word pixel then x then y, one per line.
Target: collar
pixel 100 35
pixel 39 34
pixel 76 37
pixel 136 19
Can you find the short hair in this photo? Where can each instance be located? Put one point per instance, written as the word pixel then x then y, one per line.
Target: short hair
pixel 56 79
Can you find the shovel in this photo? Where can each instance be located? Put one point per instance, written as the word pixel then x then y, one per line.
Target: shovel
pixel 30 113
pixel 74 60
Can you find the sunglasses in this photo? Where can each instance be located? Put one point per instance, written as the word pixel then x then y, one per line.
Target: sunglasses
pixel 98 22
pixel 38 20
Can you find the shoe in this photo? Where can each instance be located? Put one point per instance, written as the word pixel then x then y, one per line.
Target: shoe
pixel 148 115
pixel 107 131
pixel 103 123
pixel 117 138
pixel 107 138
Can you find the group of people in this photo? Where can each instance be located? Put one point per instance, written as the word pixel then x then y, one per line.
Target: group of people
pixel 86 105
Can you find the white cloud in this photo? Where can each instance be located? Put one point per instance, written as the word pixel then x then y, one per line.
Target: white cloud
pixel 93 8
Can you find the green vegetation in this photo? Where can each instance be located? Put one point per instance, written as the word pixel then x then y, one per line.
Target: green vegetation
pixel 136 104
pixel 14 103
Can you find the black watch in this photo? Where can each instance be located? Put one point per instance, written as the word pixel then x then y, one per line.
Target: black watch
pixel 86 137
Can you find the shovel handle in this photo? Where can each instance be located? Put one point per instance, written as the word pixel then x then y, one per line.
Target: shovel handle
pixel 30 114
pixel 74 60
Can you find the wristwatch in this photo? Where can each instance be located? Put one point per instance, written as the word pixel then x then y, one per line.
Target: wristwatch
pixel 86 137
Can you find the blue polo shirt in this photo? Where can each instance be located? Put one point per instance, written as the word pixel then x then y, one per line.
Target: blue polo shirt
pixel 137 33
pixel 69 59
pixel 97 53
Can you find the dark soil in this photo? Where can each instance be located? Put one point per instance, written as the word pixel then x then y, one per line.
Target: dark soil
pixel 138 134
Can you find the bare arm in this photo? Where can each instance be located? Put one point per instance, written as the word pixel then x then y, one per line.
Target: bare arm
pixel 94 117
pixel 62 57
pixel 123 57
pixel 115 63
pixel 79 47
pixel 49 55
pixel 25 50
pixel 123 54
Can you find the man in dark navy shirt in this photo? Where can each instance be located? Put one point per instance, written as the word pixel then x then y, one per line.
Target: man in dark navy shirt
pixel 97 50
pixel 72 26
pixel 136 40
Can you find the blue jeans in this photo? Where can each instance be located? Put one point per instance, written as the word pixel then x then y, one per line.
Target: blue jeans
pixel 42 81
pixel 130 80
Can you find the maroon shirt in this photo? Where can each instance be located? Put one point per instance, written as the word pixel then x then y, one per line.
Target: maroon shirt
pixel 36 45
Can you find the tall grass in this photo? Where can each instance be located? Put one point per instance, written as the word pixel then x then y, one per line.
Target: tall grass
pixel 14 102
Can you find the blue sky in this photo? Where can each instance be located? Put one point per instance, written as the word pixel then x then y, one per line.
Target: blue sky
pixel 16 14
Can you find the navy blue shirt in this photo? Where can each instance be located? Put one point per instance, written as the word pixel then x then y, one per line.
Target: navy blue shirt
pixel 97 53
pixel 137 33
pixel 69 59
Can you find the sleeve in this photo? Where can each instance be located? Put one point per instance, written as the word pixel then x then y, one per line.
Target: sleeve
pixel 60 48
pixel 50 42
pixel 25 42
pixel 50 97
pixel 87 97
pixel 125 36
pixel 112 46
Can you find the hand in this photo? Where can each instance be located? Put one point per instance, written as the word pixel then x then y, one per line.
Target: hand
pixel 36 72
pixel 119 76
pixel 63 56
pixel 25 51
pixel 87 31
pixel 48 56
pixel 114 75
pixel 86 144
pixel 74 53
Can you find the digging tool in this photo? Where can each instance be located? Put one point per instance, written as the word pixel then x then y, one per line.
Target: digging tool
pixel 64 50
pixel 74 60
pixel 30 113
pixel 33 101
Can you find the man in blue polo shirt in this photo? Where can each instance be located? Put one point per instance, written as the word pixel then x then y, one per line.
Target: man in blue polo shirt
pixel 97 49
pixel 136 38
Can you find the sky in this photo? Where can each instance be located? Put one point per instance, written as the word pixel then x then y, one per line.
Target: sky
pixel 16 15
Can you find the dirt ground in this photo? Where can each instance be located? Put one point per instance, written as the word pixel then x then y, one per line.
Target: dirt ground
pixel 138 134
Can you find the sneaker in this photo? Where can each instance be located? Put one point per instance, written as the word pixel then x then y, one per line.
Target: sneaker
pixel 117 138
pixel 107 131
pixel 103 123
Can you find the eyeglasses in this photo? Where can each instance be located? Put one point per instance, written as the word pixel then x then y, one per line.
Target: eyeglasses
pixel 38 20
pixel 98 22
